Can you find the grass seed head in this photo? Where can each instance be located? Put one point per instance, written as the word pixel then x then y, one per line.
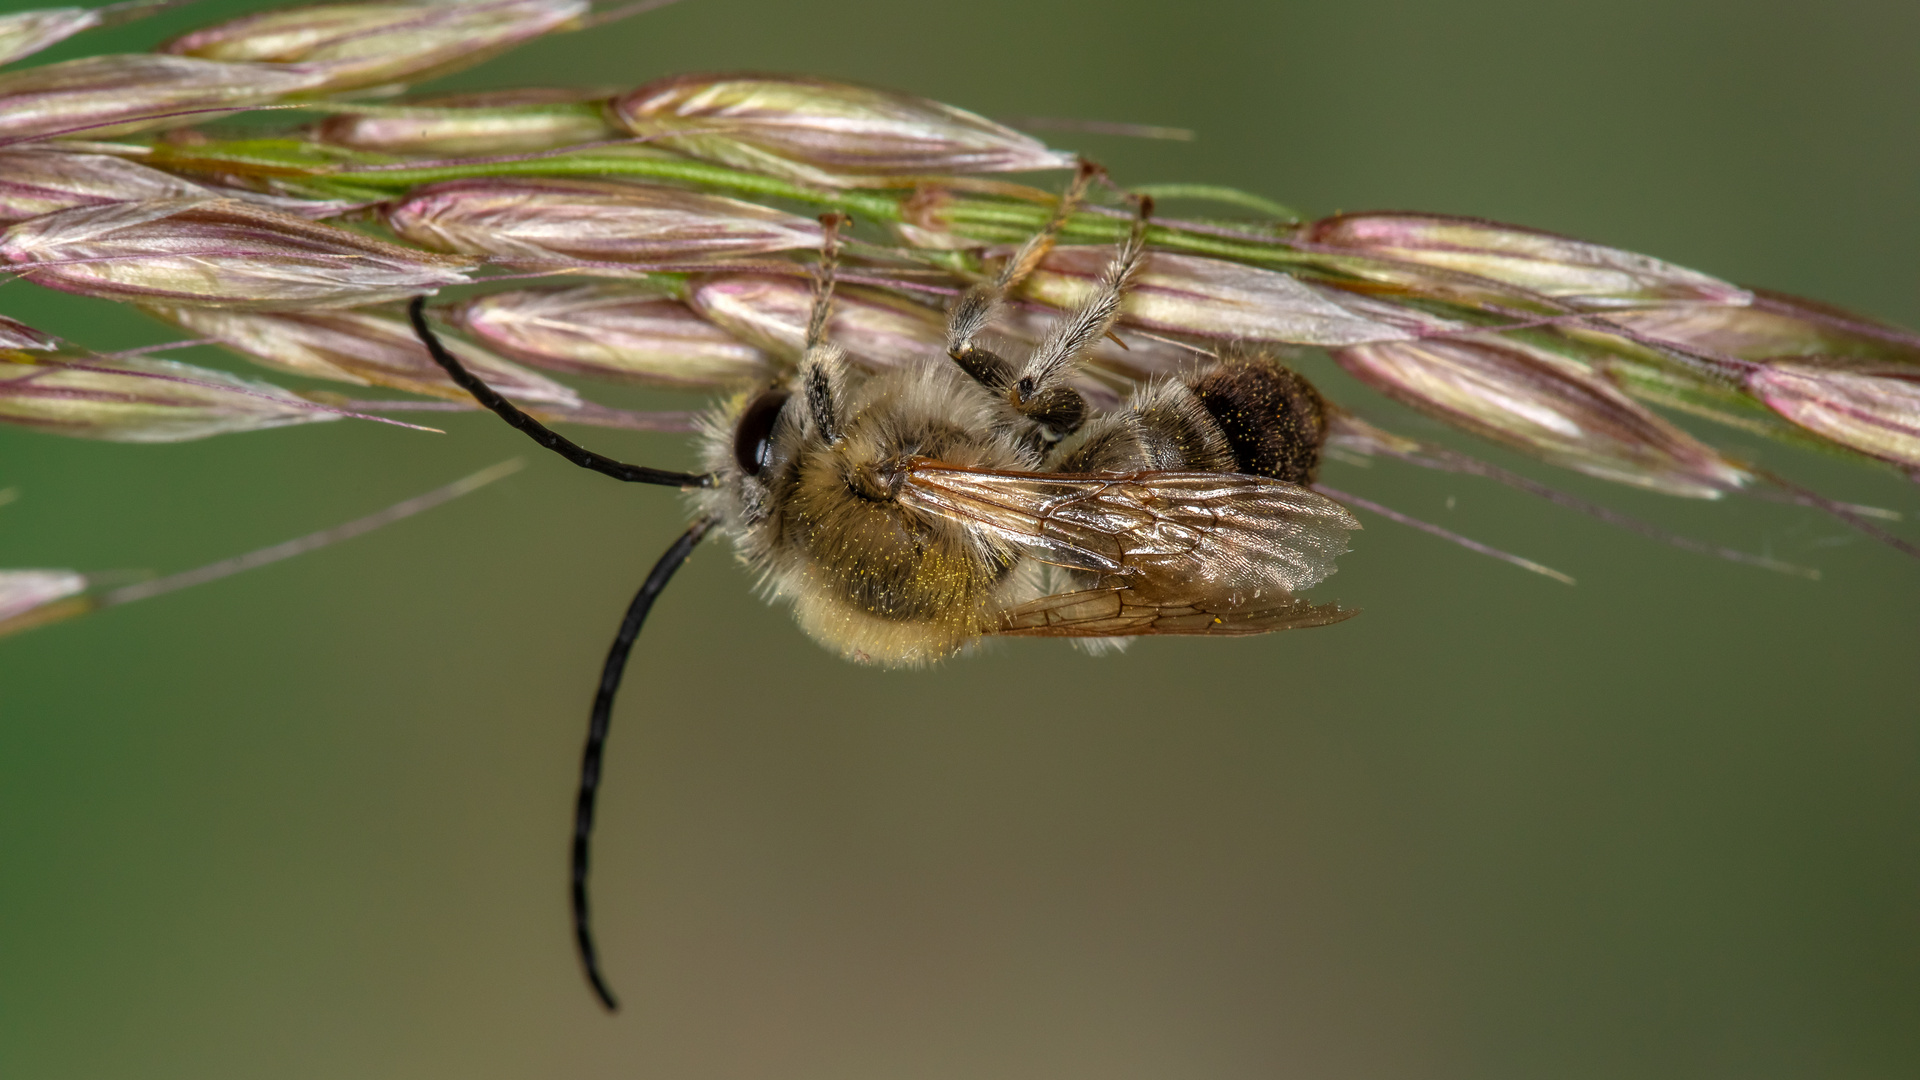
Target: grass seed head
pixel 24 33
pixel 15 334
pixel 613 331
pixel 352 46
pixel 1547 404
pixel 1774 325
pixel 106 96
pixel 499 122
pixel 1188 294
pixel 819 132
pixel 218 253
pixel 141 400
pixel 1873 408
pixel 876 329
pixel 561 221
pixel 1586 276
pixel 34 597
pixel 362 348
pixel 37 181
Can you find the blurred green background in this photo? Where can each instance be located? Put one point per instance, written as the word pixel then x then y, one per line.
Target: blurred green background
pixel 312 822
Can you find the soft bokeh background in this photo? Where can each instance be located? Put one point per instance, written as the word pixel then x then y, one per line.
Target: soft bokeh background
pixel 312 822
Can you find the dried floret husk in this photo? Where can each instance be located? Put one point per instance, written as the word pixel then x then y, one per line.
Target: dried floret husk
pixel 492 123
pixel 1869 407
pixel 1586 276
pixel 1542 401
pixel 22 591
pixel 24 33
pixel 15 334
pixel 141 399
pixel 1773 325
pixel 218 253
pixel 591 223
pixel 613 331
pixel 1214 298
pixel 45 179
pixel 360 347
pixel 816 131
pixel 878 329
pixel 1784 367
pixel 36 181
pixel 30 598
pixel 106 96
pixel 356 45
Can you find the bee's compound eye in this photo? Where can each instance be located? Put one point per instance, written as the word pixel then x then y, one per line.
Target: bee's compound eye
pixel 753 439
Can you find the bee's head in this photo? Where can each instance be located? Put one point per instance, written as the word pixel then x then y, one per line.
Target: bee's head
pixel 759 435
pixel 750 445
pixel 811 445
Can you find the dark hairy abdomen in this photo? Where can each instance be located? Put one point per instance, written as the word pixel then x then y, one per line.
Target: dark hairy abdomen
pixel 1273 418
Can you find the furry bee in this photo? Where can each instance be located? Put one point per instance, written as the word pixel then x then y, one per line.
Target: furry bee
pixel 907 514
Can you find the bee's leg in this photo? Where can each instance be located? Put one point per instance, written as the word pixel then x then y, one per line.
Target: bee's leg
pixel 831 224
pixel 534 429
pixel 823 366
pixel 977 309
pixel 1053 360
pixel 822 374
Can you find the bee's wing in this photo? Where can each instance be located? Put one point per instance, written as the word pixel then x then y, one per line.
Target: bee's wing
pixel 1168 547
pixel 1121 612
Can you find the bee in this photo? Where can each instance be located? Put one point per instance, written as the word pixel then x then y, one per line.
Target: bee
pixel 910 513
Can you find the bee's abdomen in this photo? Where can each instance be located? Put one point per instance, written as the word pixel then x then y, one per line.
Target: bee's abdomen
pixel 1274 419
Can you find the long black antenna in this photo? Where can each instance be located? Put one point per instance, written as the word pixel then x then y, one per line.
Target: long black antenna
pixel 597 743
pixel 535 430
pixel 616 664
